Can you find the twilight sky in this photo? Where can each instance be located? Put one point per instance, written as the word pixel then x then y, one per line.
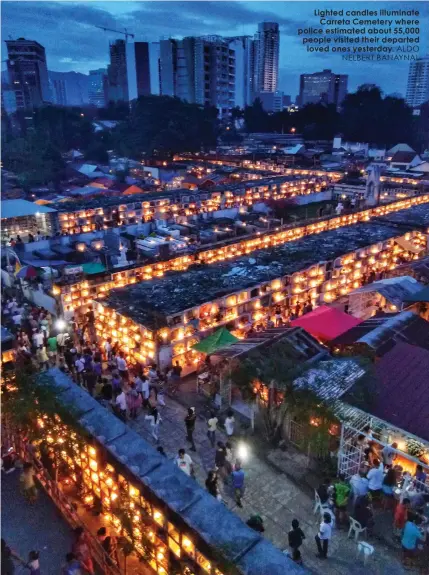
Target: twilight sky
pixel 67 31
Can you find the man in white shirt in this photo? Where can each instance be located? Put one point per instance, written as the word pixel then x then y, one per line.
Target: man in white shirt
pixel 212 426
pixel 375 478
pixel 108 349
pixel 121 404
pixel 79 365
pixel 184 462
pixel 121 364
pixel 229 423
pixel 388 454
pixel 38 338
pixel 324 535
pixel 359 484
pixel 16 318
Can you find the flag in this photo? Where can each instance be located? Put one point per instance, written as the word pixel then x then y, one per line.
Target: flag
pixel 17 267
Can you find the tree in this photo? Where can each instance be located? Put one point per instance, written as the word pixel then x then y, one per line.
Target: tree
pixel 255 117
pixel 278 371
pixel 164 126
pixel 368 117
pixel 36 161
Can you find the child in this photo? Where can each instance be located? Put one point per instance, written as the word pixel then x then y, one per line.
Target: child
pixel 33 563
pixel 27 482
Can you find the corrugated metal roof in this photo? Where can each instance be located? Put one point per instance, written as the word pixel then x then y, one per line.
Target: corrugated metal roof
pixel 22 208
pixel 395 290
pixel 331 379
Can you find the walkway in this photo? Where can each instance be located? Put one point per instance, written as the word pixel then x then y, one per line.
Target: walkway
pixel 33 527
pixel 274 496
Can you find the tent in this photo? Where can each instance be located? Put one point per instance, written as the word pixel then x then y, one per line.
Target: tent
pixel 220 338
pixel 326 323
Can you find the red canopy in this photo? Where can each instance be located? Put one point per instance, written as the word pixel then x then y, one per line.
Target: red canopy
pixel 326 323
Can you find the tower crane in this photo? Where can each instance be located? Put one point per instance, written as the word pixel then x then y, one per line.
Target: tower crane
pixel 125 32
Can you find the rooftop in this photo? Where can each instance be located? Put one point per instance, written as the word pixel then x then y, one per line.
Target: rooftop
pixel 382 333
pixel 22 208
pixel 402 397
pixel 226 533
pixel 149 302
pixel 395 290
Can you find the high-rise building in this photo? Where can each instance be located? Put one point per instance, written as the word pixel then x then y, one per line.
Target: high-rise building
pixel 142 59
pixel 418 82
pixel 199 70
pixel 154 68
pixel 28 73
pixel 267 57
pixel 76 86
pixel 245 51
pixel 324 87
pixel 271 101
pixel 59 90
pixel 118 88
pixel 97 87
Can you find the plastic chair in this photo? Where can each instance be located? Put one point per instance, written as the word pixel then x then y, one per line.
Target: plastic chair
pixel 366 549
pixel 318 505
pixel 355 527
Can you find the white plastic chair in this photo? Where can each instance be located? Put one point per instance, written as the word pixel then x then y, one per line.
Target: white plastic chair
pixel 356 528
pixel 366 549
pixel 318 505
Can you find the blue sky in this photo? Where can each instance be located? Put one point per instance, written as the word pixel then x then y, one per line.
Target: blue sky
pixel 67 31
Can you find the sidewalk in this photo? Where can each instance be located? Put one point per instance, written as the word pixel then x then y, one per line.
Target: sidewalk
pixel 272 495
pixel 39 527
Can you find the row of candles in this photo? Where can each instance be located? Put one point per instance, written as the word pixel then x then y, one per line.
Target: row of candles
pixel 308 285
pixel 86 220
pixel 81 294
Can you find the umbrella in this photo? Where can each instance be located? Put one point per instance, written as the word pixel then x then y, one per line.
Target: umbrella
pixel 26 272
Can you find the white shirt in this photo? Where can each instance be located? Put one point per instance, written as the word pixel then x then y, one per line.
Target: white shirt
pixel 62 338
pixel 107 347
pixel 121 363
pixel 359 485
pixel 388 454
pixel 79 365
pixel 38 339
pixel 17 319
pixel 325 531
pixel 229 425
pixel 212 423
pixel 145 389
pixel 184 464
pixel 375 478
pixel 121 400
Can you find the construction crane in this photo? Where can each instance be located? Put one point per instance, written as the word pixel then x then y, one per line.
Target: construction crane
pixel 125 32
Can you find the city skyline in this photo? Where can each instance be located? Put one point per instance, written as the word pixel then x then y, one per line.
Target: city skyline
pixel 73 44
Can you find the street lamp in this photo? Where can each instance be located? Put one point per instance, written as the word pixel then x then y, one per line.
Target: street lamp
pixel 60 324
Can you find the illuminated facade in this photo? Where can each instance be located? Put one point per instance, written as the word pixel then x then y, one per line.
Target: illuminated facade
pixel 162 320
pixel 74 298
pixel 121 482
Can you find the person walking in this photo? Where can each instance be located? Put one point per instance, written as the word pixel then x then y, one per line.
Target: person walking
pixel 109 544
pixel 190 420
pixel 324 535
pixel 296 537
pixel 238 483
pixel 229 423
pixel 42 357
pixel 28 484
pixel 212 485
pixel 79 365
pixel 185 463
pixel 8 556
pixel 72 566
pixel 121 405
pixel 81 550
pixel 33 563
pixel 220 460
pixel 212 426
pixel 134 401
pixel 155 420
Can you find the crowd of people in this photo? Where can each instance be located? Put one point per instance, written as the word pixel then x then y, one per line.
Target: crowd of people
pixel 380 484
